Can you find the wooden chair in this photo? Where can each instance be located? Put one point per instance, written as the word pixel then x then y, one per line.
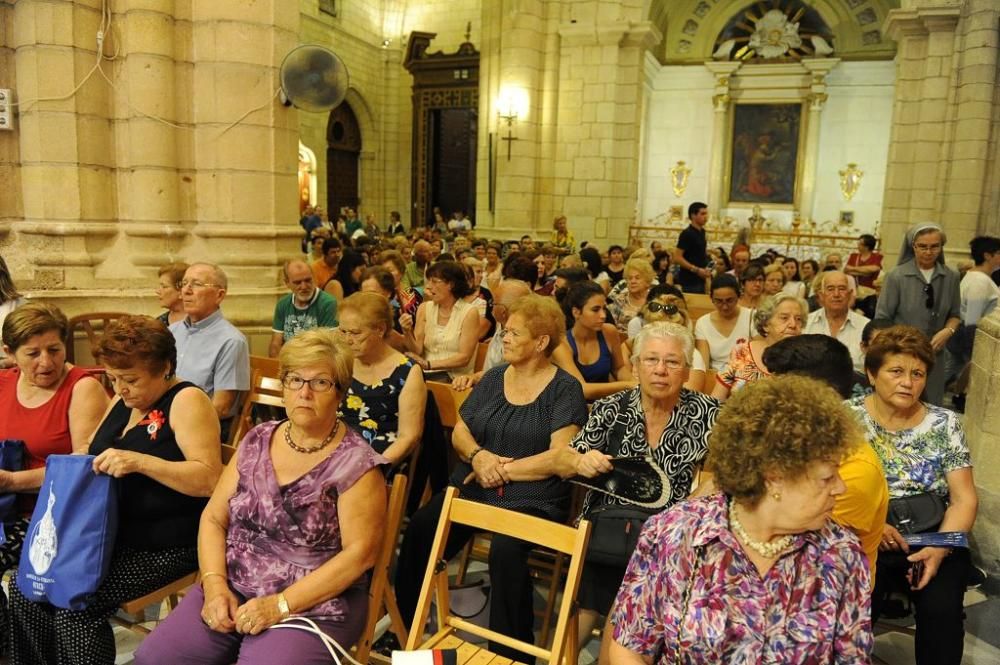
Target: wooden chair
pixel 381 597
pixel 558 537
pixel 448 402
pixel 135 609
pixel 710 375
pixel 92 325
pixel 266 366
pixel 265 391
pixel 481 352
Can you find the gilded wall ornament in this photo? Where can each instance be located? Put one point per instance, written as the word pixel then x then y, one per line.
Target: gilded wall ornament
pixel 850 180
pixel 679 177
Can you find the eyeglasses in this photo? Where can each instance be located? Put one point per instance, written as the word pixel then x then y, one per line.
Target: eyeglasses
pixel 669 363
pixel 317 385
pixel 921 247
pixel 513 333
pixel 929 292
pixel 723 302
pixel 670 309
pixel 197 284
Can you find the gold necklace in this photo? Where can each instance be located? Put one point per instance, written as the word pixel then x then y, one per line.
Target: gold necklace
pixel 303 449
pixel 770 549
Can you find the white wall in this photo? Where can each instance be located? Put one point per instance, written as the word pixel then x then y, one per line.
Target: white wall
pixel 855 124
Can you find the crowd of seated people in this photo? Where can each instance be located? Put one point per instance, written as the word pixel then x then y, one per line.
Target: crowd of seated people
pixel 371 315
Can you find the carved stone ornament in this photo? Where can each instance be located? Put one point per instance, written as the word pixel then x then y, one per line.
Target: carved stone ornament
pixel 850 180
pixel 679 178
pixel 775 35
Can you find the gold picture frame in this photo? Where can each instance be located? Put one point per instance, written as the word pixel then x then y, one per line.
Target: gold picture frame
pixel 802 110
pixel 847 217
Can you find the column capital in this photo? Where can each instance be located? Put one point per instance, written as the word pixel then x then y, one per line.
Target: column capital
pixel 903 23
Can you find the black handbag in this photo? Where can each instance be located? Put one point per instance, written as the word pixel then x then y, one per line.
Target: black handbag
pixel 614 533
pixel 916 514
pixel 615 528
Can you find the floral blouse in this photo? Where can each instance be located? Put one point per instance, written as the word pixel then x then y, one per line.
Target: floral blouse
pixel 742 368
pixel 621 308
pixel 917 460
pixel 374 410
pixel 811 607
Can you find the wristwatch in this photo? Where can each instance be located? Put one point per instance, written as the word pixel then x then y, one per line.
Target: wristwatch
pixel 283 606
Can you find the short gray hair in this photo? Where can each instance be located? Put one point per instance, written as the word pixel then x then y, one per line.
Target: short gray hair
pixel 762 315
pixel 823 275
pixel 664 330
pixel 218 274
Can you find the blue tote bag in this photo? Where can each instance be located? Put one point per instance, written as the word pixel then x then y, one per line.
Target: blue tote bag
pixel 11 459
pixel 71 539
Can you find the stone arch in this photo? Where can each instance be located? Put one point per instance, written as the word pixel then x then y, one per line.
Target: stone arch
pixel 690 27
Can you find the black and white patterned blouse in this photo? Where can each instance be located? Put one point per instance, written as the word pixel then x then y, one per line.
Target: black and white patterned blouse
pixel 683 444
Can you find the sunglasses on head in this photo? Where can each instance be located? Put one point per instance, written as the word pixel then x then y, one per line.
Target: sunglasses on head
pixel 670 309
pixel 929 292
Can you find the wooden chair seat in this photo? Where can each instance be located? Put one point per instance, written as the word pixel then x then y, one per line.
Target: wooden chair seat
pixel 560 538
pixel 136 607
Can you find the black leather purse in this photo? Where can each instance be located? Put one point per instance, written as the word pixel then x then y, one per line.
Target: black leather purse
pixel 916 514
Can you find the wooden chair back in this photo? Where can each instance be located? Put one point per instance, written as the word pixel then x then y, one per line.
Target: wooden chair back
pixel 381 597
pixel 92 326
pixel 266 366
pixel 448 402
pixel 571 541
pixel 698 304
pixel 264 391
pixel 709 386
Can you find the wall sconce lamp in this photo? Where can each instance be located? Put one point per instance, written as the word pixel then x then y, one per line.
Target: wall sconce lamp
pixel 850 180
pixel 679 178
pixel 509 118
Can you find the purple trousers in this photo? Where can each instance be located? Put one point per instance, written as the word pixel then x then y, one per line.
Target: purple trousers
pixel 184 639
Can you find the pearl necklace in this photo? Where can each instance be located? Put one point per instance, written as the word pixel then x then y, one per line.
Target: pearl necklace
pixel 302 449
pixel 770 549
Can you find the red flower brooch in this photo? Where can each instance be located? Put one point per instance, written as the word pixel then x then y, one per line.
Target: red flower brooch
pixel 153 422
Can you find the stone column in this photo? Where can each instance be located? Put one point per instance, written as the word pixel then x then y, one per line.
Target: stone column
pixel 723 72
pixel 818 68
pixel 65 145
pixel 982 422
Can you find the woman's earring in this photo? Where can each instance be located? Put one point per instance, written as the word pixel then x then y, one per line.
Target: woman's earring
pixel 776 496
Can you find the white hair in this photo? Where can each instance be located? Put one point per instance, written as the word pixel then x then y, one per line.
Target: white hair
pixel 664 330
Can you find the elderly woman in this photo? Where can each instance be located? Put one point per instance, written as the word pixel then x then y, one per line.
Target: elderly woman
pixel 752 286
pixel 659 419
pixel 774 279
pixel 168 290
pixel 921 291
pixel 923 450
pixel 50 405
pixel 10 299
pixel 386 397
pixel 442 338
pixel 757 573
pixel 777 317
pixel 512 441
pixel 716 334
pixel 628 296
pixel 160 437
pixel 666 303
pixel 292 527
pixel 591 351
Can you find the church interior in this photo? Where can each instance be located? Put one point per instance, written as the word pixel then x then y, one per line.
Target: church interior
pixel 140 133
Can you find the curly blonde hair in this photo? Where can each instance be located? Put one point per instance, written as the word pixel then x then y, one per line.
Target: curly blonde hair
pixel 780 426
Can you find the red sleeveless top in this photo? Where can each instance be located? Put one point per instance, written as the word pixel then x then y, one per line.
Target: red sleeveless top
pixel 44 429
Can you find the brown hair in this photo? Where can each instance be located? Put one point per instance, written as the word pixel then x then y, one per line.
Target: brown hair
pixel 395 258
pixel 542 316
pixel 373 308
pixel 33 318
pixel 137 341
pixel 780 426
pixel 905 340
pixel 175 271
pixel 319 346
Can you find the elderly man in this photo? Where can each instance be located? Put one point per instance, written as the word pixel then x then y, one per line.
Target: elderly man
pixel 413 277
pixel 835 317
pixel 211 352
pixel 325 268
pixel 304 308
pixel 509 291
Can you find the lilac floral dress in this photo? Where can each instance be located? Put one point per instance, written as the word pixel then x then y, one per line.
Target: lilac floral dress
pixel 279 534
pixel 811 607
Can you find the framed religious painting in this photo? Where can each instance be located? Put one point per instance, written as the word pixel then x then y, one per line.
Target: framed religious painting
pixel 765 154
